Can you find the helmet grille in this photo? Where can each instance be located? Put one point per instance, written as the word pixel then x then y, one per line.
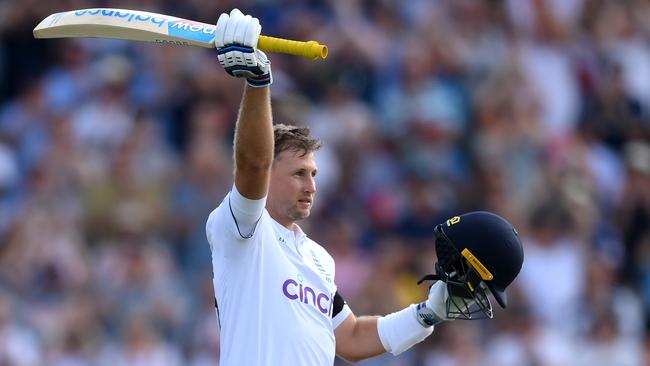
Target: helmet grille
pixel 464 284
pixel 448 256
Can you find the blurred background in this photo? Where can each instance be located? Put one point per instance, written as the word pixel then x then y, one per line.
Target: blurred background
pixel 113 153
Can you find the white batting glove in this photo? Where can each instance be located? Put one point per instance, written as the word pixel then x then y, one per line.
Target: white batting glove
pixel 434 309
pixel 236 41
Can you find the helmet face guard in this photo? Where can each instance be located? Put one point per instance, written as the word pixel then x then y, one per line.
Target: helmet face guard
pixel 479 253
pixel 468 293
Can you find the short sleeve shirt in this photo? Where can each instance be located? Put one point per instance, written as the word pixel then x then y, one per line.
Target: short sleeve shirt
pixel 274 290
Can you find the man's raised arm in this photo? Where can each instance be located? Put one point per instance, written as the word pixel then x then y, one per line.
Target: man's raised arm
pixel 254 143
pixel 236 43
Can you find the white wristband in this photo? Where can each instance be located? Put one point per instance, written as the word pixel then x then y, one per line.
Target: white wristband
pixel 401 330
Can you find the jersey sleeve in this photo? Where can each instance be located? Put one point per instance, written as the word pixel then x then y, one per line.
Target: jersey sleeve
pixel 236 217
pixel 340 310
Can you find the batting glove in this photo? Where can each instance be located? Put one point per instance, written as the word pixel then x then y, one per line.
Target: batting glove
pixel 236 41
pixel 440 306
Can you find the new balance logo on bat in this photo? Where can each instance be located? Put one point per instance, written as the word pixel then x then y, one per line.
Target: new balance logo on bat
pixel 159 21
pixel 125 15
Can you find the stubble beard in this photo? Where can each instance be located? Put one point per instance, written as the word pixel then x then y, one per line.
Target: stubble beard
pixel 295 214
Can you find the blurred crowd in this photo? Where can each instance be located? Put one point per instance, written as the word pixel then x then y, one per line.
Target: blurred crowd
pixel 113 153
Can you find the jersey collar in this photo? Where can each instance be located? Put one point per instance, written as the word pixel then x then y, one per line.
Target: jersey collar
pixel 289 236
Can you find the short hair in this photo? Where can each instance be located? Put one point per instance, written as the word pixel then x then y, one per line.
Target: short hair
pixel 293 138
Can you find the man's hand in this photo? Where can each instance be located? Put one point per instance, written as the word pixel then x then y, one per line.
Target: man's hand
pixel 236 41
pixel 434 309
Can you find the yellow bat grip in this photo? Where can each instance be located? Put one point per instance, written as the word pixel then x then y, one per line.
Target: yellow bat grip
pixel 311 50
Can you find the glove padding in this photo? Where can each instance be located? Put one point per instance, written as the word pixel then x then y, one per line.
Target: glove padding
pixel 434 309
pixel 236 41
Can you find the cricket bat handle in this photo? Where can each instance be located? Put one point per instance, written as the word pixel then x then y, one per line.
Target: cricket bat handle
pixel 311 49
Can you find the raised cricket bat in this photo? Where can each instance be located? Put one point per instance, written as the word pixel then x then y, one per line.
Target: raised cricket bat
pixel 152 27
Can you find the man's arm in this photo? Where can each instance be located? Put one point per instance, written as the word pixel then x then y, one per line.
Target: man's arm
pixel 369 336
pixel 254 143
pixel 358 339
pixel 236 42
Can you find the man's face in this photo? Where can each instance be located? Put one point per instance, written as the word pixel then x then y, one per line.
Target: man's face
pixel 292 188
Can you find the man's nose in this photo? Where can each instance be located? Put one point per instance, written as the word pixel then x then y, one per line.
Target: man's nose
pixel 310 185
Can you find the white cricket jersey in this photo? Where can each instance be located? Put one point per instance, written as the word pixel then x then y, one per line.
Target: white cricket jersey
pixel 274 289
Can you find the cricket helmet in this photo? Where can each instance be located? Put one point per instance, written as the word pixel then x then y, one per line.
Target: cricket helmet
pixel 477 251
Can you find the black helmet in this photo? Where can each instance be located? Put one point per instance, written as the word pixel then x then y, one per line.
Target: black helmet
pixel 477 250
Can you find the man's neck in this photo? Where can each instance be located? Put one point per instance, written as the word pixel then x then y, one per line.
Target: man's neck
pixel 287 223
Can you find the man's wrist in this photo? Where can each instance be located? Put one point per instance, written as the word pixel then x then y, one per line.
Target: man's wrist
pixel 401 330
pixel 425 315
pixel 260 81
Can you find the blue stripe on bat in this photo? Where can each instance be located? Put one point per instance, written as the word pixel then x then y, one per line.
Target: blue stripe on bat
pixel 191 31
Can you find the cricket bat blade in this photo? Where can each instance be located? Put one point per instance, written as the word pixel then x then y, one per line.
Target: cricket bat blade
pixel 152 27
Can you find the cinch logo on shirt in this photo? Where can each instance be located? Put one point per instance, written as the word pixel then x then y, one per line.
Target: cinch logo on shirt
pixel 306 295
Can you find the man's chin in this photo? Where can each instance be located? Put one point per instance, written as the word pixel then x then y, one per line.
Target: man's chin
pixel 298 215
